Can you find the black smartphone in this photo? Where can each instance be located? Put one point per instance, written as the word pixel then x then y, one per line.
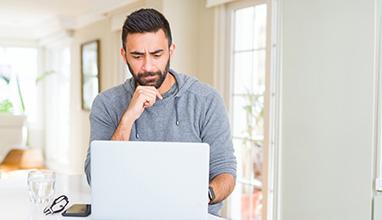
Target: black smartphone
pixel 78 210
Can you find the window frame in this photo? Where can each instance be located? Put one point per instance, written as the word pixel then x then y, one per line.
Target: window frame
pixel 230 65
pixel 223 63
pixel 378 98
pixel 230 61
pixel 221 81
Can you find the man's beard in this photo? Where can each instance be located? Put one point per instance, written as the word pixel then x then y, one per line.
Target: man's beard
pixel 156 82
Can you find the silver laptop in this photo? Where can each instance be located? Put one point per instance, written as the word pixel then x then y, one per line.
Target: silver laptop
pixel 149 180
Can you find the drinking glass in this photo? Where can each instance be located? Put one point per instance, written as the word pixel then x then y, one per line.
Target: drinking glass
pixel 41 186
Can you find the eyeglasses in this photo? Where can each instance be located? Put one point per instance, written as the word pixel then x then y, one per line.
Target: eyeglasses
pixel 57 205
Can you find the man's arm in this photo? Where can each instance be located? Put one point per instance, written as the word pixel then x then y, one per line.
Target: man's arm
pixel 123 131
pixel 143 97
pixel 223 185
pixel 216 132
pixel 102 126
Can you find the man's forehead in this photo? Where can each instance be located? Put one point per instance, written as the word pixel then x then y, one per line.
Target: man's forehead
pixel 147 42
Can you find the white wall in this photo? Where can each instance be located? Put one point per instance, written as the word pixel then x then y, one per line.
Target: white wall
pixel 182 18
pixel 192 29
pixel 327 109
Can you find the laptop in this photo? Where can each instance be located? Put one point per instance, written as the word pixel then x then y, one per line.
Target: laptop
pixel 149 180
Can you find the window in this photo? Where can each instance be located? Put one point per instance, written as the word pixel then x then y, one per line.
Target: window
pixel 248 28
pixel 18 71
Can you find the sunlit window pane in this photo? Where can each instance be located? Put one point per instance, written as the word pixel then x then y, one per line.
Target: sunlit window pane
pixel 260 26
pixel 258 79
pixel 248 116
pixel 22 71
pixel 251 202
pixel 247 196
pixel 240 123
pixel 244 25
pixel 242 75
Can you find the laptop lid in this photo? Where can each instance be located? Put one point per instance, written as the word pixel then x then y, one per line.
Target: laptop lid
pixel 149 180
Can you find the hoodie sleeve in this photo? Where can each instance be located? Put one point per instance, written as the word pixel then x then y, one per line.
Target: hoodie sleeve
pixel 216 132
pixel 102 127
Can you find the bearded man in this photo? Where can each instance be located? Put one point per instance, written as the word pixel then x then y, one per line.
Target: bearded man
pixel 159 104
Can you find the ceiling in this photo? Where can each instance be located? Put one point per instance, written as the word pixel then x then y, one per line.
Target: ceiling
pixel 34 19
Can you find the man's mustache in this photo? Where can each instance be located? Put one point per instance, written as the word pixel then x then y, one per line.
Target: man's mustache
pixel 148 74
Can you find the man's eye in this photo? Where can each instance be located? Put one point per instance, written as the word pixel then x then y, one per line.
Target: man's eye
pixel 137 57
pixel 157 55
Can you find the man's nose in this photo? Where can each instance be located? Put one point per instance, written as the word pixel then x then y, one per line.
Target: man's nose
pixel 148 64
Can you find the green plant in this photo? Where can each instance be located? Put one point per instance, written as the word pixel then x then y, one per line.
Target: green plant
pixel 6 105
pixel 44 75
pixel 254 110
pixel 252 141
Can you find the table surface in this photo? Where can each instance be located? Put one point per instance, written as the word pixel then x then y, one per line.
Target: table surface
pixel 14 198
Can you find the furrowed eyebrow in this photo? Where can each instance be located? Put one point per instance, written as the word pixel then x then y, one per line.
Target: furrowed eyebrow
pixel 157 51
pixel 137 53
pixel 142 53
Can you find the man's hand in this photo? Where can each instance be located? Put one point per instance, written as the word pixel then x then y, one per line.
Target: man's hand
pixel 143 97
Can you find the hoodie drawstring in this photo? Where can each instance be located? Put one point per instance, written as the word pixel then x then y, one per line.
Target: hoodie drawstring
pixel 176 111
pixel 136 129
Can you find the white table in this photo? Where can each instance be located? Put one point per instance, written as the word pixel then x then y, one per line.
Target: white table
pixel 15 204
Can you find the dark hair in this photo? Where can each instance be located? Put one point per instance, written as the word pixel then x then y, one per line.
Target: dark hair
pixel 145 20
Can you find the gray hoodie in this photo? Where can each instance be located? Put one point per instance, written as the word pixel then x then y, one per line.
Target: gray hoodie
pixel 189 112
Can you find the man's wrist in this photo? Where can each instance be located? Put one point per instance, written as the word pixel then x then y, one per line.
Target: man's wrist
pixel 127 120
pixel 122 133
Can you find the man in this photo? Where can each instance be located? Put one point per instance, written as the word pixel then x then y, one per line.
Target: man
pixel 159 104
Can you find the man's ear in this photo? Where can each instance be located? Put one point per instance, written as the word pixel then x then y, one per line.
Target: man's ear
pixel 172 49
pixel 123 54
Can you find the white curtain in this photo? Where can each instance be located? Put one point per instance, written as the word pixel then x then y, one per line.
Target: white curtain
pixel 57 107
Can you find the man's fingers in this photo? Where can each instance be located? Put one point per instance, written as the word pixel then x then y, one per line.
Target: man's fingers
pixel 146 104
pixel 150 89
pixel 147 95
pixel 148 100
pixel 158 94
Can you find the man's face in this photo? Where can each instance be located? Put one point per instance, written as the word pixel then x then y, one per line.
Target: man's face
pixel 148 57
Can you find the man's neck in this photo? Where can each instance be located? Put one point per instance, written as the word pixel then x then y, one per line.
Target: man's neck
pixel 167 83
